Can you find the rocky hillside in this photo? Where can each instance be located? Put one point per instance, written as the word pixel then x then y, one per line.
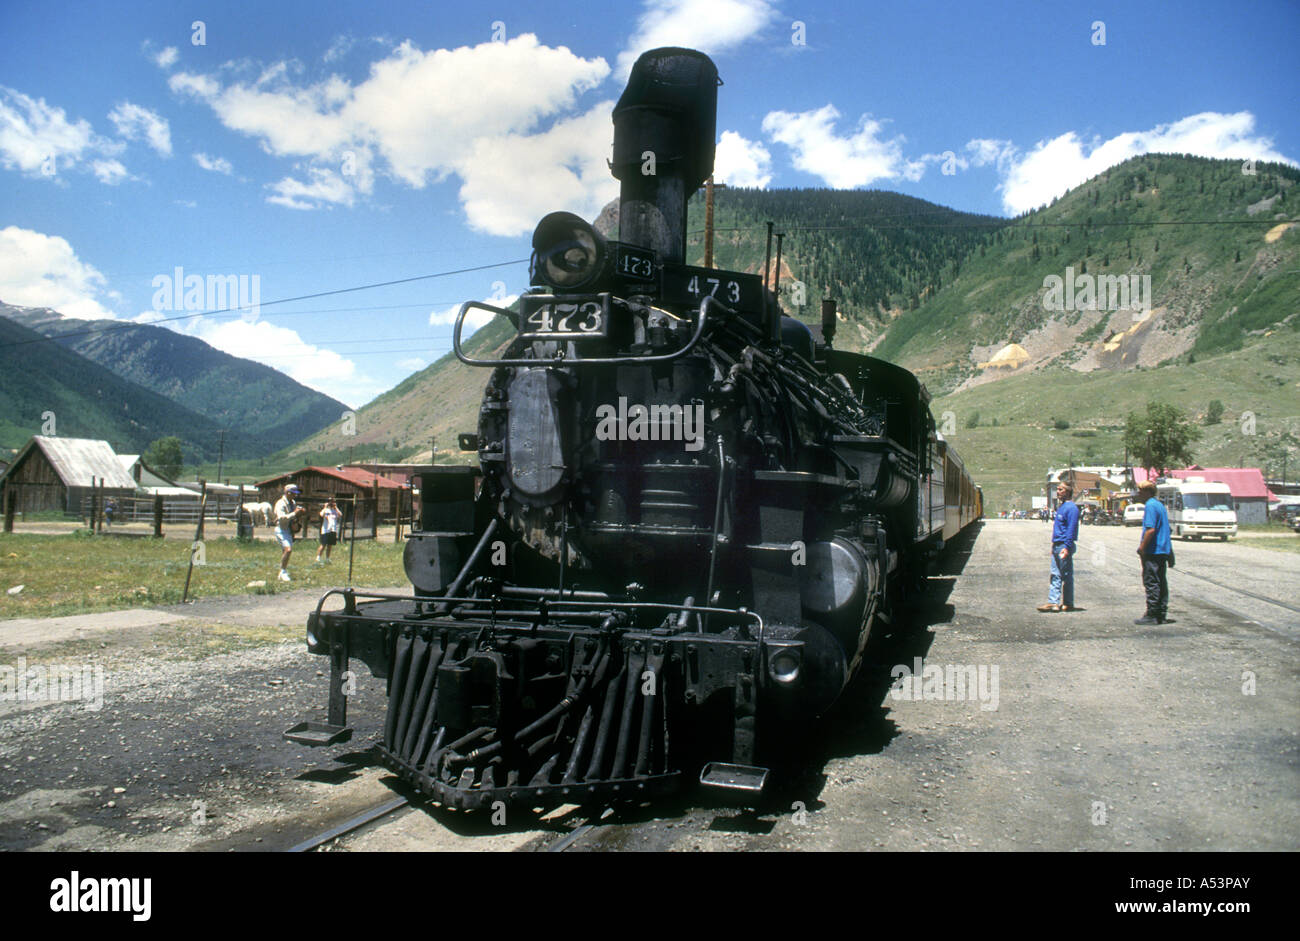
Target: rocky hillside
pixel 1206 254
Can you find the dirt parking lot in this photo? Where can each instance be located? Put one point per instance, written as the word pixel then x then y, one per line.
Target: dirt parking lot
pixel 1087 733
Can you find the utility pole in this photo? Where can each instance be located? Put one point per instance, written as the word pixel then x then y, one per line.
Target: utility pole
pixel 767 258
pixel 433 449
pixel 709 187
pixel 776 280
pixel 221 454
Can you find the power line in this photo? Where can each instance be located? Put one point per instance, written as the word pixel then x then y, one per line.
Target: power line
pixel 284 300
pixel 1003 224
pixel 260 263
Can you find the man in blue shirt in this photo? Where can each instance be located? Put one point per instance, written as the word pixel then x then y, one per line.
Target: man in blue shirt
pixel 1060 590
pixel 1155 549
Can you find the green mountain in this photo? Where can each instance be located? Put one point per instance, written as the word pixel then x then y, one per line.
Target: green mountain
pixel 1213 243
pixel 877 253
pixel 266 408
pixel 41 382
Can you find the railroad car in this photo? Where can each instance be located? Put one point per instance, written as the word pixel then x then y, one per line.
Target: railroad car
pixel 686 515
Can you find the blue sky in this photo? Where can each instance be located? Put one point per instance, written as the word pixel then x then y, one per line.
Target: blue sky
pixel 316 147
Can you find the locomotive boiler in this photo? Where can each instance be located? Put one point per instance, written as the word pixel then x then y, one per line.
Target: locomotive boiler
pixel 686 516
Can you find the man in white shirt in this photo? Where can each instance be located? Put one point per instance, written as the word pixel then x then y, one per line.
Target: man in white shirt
pixel 286 512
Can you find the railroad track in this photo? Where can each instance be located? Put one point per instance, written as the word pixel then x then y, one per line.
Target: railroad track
pixel 1240 591
pixel 580 832
pixel 590 825
pixel 363 819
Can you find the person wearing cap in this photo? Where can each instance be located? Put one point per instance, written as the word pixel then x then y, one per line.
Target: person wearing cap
pixel 1065 533
pixel 286 511
pixel 1155 550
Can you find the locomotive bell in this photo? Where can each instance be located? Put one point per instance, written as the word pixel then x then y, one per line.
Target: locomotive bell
pixel 568 253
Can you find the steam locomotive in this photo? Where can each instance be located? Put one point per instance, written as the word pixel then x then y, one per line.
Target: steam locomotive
pixel 687 514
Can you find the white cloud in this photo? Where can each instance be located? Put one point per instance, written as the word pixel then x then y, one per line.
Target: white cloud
pixel 166 58
pixel 110 172
pixel 411 364
pixel 984 151
pixel 843 162
pixel 474 319
pixel 200 86
pixel 711 26
pixel 283 349
pixel 512 181
pixel 215 164
pixel 415 119
pixel 35 136
pixel 326 188
pixel 741 162
pixel 135 121
pixel 1056 165
pixel 38 270
pixel 338 48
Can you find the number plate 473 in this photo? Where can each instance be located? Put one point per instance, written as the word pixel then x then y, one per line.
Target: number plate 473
pixel 545 317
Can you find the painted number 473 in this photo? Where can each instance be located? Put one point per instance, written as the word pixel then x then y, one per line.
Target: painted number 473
pixel 732 290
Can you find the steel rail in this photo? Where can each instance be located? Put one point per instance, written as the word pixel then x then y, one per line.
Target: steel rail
pixel 354 823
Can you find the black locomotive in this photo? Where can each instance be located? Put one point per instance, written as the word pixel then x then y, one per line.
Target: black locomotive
pixel 686 517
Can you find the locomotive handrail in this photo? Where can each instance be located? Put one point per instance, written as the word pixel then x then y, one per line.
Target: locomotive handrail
pixel 598 361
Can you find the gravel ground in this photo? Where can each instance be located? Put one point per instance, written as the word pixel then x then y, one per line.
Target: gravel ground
pixel 1106 735
pixel 185 751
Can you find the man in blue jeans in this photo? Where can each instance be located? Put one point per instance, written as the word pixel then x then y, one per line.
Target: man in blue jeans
pixel 1155 550
pixel 1065 531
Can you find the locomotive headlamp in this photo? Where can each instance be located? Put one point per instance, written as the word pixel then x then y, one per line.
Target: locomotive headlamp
pixel 568 253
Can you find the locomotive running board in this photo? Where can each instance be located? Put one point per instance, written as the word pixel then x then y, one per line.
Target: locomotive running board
pixel 734 779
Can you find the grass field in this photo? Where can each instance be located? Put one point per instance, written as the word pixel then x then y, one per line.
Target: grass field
pixel 77 573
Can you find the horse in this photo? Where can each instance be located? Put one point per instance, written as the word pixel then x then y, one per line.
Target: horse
pixel 260 513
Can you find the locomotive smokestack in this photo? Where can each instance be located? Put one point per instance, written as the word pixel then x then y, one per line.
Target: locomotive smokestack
pixel 664 131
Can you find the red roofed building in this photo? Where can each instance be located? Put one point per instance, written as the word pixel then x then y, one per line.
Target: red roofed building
pixel 1250 495
pixel 371 492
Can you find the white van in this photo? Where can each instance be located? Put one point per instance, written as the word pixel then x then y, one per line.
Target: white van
pixel 1198 508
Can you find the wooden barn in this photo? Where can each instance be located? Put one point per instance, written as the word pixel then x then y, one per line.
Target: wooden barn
pixel 58 474
pixel 344 485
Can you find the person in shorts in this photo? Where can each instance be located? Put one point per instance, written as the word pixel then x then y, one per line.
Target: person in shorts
pixel 330 518
pixel 286 512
